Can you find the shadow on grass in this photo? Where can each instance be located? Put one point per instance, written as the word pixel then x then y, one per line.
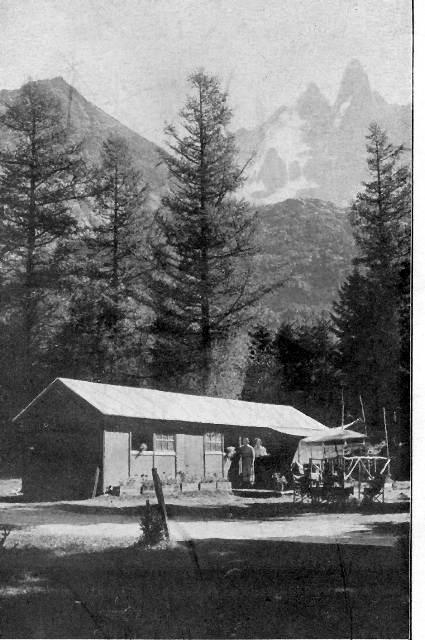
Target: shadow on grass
pixel 206 589
pixel 195 511
pixel 248 510
pixel 15 498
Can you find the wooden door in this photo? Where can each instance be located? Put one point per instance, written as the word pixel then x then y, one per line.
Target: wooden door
pixel 194 455
pixel 116 458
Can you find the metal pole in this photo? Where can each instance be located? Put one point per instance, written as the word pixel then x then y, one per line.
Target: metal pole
pixel 342 406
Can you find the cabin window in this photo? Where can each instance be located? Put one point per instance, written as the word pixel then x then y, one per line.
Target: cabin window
pixel 139 438
pixel 164 442
pixel 213 442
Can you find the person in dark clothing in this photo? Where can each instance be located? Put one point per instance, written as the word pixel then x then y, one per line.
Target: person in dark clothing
pixel 328 480
pixel 247 456
pixel 231 466
pixel 374 487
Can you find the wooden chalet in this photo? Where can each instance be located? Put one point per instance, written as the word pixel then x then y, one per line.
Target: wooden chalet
pixel 75 431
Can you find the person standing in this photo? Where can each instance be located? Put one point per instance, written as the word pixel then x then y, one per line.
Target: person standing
pixel 259 450
pixel 231 466
pixel 247 457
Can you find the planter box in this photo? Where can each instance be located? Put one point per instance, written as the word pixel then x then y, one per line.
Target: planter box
pixel 189 487
pixel 223 485
pixel 168 489
pixel 207 486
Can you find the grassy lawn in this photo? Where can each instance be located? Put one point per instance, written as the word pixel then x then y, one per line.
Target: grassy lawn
pixel 207 589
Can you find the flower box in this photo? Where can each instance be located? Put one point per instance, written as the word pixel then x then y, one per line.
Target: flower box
pixel 189 487
pixel 207 486
pixel 223 485
pixel 169 489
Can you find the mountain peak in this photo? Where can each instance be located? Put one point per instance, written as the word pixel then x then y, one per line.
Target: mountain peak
pixel 354 66
pixel 56 80
pixel 93 125
pixel 312 102
pixel 315 149
pixel 354 84
pixel 313 90
pixel 60 86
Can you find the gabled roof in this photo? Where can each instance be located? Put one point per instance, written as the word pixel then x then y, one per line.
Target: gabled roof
pixel 134 402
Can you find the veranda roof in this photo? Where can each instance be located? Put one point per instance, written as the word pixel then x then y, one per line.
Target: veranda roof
pixel 134 402
pixel 339 435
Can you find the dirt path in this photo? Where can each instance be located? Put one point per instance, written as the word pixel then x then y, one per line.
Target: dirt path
pixel 352 528
pixel 92 525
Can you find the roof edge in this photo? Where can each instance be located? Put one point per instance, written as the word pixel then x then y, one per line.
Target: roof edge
pixel 46 390
pixel 317 428
pixel 34 400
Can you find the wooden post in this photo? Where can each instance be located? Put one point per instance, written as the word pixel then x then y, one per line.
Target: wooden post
pixel 96 482
pixel 360 482
pixel 204 438
pixel 363 413
pixel 222 455
pixel 386 437
pixel 129 454
pixel 386 432
pixel 161 501
pixel 103 462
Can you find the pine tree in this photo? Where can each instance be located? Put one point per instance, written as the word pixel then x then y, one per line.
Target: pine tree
pixel 373 307
pixel 102 337
pixel 263 380
pixel 296 367
pixel 380 215
pixel 41 173
pixel 120 195
pixel 352 326
pixel 203 283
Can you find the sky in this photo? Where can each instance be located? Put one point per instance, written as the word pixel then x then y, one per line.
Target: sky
pixel 132 57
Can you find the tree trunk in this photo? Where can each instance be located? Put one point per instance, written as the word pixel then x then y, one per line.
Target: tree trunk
pixel 205 303
pixel 115 237
pixel 29 304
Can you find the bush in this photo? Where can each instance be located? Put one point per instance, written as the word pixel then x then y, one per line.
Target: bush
pixel 151 526
pixel 6 530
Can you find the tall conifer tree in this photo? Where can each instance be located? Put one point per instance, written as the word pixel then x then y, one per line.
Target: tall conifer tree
pixel 370 315
pixel 101 338
pixel 203 282
pixel 41 172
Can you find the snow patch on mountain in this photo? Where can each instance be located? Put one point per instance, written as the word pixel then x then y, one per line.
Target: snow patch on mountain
pixel 342 109
pixel 278 159
pixel 315 149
